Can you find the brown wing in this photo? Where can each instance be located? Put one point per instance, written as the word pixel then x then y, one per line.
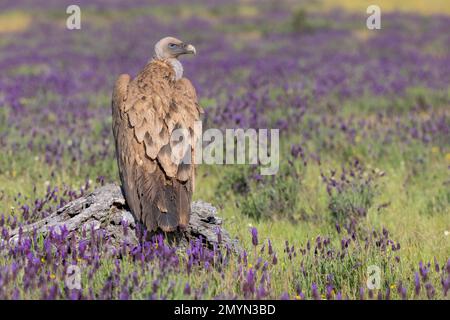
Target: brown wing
pixel 185 98
pixel 149 176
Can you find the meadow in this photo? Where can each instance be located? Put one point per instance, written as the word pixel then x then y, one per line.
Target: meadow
pixel 364 123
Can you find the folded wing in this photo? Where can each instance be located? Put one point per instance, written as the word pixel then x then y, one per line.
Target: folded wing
pixel 146 111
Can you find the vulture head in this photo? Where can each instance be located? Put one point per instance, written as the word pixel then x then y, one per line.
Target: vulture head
pixel 172 48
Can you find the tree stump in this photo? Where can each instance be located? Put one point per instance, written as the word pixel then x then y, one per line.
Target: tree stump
pixel 105 209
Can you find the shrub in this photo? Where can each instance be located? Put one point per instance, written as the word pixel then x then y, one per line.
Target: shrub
pixel 276 197
pixel 264 197
pixel 351 194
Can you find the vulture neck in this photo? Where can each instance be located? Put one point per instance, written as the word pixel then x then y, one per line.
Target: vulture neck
pixel 177 67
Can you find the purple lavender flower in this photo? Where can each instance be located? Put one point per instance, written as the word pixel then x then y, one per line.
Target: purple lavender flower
pixel 445 285
pixel 315 292
pixel 361 293
pixel 430 290
pixel 274 259
pixel 416 283
pixel 187 289
pixel 270 249
pixel 423 271
pixel 219 235
pixel 285 296
pixel 436 265
pixel 388 293
pixel 329 292
pixel 261 292
pixel 338 228
pixel 403 293
pixel 248 287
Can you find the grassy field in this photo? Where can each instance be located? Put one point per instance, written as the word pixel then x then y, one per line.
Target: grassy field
pixel 364 158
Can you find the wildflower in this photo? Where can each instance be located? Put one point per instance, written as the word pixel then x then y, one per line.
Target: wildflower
pixel 284 296
pixel 261 292
pixel 434 149
pixel 219 235
pixel 430 290
pixel 270 248
pixel 275 259
pixel 244 258
pixel 436 265
pixel 155 285
pixel 187 289
pixel 402 290
pixel 445 285
pixel 330 292
pixel 447 157
pixel 258 263
pixel 338 228
pixel 265 266
pixel 423 271
pixel 254 236
pixel 249 285
pixel 314 291
pixel 124 295
pixel 52 276
pixel 125 227
pixel 446 233
pixel 417 283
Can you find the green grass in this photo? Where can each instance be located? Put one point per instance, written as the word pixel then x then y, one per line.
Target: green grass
pixel 412 200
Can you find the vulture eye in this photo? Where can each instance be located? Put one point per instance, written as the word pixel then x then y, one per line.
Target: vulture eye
pixel 172 45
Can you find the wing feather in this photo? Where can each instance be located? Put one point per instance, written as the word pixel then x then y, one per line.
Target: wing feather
pixel 185 98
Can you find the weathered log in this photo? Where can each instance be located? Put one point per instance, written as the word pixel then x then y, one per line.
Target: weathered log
pixel 105 209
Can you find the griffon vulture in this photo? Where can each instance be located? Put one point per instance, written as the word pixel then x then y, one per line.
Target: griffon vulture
pixel 145 112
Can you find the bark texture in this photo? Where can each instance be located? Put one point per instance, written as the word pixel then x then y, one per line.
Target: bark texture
pixel 105 209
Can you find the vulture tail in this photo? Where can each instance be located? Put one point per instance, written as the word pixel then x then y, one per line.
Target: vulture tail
pixel 164 203
pixel 177 198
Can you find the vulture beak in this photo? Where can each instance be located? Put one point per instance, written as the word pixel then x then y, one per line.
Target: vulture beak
pixel 189 48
